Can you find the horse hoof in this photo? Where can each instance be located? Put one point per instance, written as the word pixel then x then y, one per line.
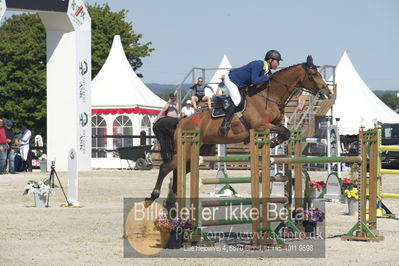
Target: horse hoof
pixel 148 202
pixel 155 194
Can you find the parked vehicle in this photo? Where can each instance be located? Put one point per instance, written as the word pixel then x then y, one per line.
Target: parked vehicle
pixel 390 136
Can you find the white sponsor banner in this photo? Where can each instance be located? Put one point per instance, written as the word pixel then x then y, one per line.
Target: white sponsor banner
pixel 333 140
pixel 3 8
pixel 77 13
pixel 83 67
pixel 73 180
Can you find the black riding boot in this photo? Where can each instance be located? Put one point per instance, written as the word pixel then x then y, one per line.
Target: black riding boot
pixel 230 110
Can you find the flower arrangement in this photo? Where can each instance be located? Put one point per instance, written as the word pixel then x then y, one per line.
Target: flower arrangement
pixel 313 215
pixel 319 185
pixel 165 224
pixel 352 193
pixel 42 187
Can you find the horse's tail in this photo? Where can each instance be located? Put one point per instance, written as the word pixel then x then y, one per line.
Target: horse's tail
pixel 164 130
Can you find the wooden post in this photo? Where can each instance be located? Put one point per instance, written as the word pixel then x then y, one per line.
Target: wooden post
pixel 254 186
pixel 266 182
pixel 181 171
pixel 297 170
pixel 194 176
pixel 363 178
pixel 373 180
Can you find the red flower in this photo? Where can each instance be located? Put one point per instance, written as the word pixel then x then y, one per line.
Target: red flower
pixel 346 181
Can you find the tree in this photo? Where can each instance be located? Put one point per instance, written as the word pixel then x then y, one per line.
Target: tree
pixel 23 71
pixel 390 99
pixel 23 60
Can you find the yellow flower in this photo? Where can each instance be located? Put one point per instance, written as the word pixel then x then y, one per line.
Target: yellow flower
pixel 353 193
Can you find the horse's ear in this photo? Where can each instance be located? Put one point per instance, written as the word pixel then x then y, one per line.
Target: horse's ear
pixel 309 61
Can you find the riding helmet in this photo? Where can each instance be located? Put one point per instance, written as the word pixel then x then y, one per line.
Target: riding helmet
pixel 273 54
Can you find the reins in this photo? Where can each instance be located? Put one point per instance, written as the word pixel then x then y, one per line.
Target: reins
pixel 294 91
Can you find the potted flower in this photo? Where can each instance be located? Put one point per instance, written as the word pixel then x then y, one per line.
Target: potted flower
pixel 351 193
pixel 311 217
pixel 171 230
pixel 316 188
pixel 40 191
pixel 171 226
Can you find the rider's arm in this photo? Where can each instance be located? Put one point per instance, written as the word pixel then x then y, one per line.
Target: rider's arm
pixel 256 77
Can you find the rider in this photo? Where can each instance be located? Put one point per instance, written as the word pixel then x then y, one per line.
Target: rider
pixel 253 73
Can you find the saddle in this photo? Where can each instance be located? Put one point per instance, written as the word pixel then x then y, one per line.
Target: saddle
pixel 219 102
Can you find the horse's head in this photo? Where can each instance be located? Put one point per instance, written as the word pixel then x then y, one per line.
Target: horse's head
pixel 313 81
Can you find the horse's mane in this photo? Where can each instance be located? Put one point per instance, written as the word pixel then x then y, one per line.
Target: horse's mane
pixel 286 68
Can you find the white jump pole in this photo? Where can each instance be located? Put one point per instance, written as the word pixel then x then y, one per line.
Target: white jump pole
pixel 73 178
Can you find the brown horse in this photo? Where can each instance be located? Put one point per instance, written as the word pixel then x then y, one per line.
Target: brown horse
pixel 265 110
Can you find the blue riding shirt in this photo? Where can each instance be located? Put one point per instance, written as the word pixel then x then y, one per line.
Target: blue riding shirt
pixel 252 73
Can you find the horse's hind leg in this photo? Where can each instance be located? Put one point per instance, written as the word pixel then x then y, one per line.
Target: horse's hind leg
pixel 175 176
pixel 283 134
pixel 164 170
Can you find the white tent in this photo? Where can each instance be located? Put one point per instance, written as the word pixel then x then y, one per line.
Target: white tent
pixel 224 67
pixel 121 105
pixel 356 104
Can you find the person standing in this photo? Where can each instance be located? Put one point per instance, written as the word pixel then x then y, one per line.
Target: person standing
pixel 23 141
pixel 3 148
pixel 10 151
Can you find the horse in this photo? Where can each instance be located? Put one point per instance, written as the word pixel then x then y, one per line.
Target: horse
pixel 264 110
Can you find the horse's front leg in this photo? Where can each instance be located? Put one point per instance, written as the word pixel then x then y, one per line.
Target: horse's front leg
pixel 282 132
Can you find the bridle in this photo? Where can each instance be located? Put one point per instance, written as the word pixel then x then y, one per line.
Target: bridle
pixel 295 89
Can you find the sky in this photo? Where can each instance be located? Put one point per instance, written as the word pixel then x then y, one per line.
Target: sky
pixel 188 34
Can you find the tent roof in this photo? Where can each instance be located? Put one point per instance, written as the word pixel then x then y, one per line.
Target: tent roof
pixel 216 77
pixel 356 104
pixel 117 85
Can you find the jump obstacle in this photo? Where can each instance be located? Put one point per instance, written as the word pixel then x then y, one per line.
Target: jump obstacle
pixel 260 152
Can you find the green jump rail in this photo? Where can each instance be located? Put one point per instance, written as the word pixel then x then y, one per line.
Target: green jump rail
pixel 238 180
pixel 237 221
pixel 245 201
pixel 342 159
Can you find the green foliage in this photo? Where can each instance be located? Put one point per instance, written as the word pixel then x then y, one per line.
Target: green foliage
pixel 23 71
pixel 23 60
pixel 390 99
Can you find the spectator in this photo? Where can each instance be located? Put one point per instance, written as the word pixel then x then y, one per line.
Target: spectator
pixel 187 110
pixel 222 89
pixel 171 108
pixel 23 141
pixel 3 148
pixel 201 92
pixel 10 150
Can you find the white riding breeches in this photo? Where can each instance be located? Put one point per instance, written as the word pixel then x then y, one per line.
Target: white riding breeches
pixel 24 149
pixel 234 93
